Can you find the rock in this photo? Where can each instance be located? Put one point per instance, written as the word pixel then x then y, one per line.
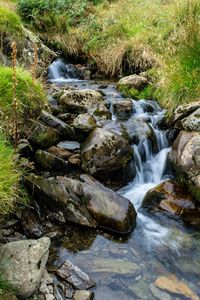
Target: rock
pixel 75 159
pixel 50 162
pixel 65 130
pixel 173 285
pixel 100 112
pixel 183 111
pixel 84 123
pixel 171 197
pixel 22 264
pixel 69 145
pixel 104 152
pixel 61 194
pixel 42 136
pixel 85 202
pixel 108 208
pixel 158 293
pixel 116 128
pixel 73 275
pixel 114 266
pixel 24 148
pixel 83 295
pixel 49 297
pixel 138 130
pixel 191 122
pixel 185 158
pixel 133 81
pixel 123 109
pixel 79 100
pixel 31 223
pixel 62 153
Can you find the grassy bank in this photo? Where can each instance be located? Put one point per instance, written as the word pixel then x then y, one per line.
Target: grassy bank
pixel 125 36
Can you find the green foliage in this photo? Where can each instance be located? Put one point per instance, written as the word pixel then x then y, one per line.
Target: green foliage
pixel 9 179
pixel 31 97
pixel 9 22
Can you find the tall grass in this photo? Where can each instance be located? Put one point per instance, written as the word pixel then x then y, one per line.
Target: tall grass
pixel 9 178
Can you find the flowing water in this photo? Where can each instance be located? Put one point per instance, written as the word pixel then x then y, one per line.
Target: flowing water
pixel 125 268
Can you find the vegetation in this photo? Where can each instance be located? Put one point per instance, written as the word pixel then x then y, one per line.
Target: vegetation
pixel 126 36
pixel 31 97
pixel 9 177
pixel 10 23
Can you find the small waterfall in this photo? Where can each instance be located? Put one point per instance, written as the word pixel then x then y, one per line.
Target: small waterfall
pixel 59 71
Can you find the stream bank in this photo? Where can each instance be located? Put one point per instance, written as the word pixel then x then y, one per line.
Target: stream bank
pixel 124 144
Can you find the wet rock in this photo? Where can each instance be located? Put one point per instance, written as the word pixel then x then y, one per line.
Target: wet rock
pixel 100 112
pixel 114 266
pixel 85 202
pixel 42 136
pixel 73 275
pixel 31 223
pixel 183 111
pixel 62 153
pixel 140 290
pixel 79 100
pixel 158 293
pixel 65 130
pixel 69 145
pixel 173 285
pixel 173 198
pixel 84 123
pixel 50 162
pixel 83 295
pixel 108 208
pixel 104 153
pixel 116 128
pixel 185 158
pixel 123 109
pixel 138 130
pixel 23 263
pixel 61 194
pixel 133 81
pixel 75 160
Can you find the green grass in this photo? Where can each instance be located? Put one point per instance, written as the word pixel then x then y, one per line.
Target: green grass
pixel 9 178
pixel 31 97
pixel 10 23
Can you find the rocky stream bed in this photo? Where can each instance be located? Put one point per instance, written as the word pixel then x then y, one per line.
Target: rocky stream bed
pixel 101 174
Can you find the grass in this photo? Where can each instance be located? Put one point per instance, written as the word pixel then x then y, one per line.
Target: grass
pixel 125 36
pixel 9 178
pixel 31 96
pixel 10 23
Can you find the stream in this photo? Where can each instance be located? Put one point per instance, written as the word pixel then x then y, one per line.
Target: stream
pixel 126 267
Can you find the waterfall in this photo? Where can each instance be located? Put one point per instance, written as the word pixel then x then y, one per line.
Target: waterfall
pixel 60 72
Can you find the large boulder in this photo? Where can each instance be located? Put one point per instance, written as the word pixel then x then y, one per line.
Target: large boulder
pixel 191 122
pixel 133 82
pixel 185 158
pixel 79 100
pixel 105 152
pixel 123 109
pixel 85 202
pixel 171 197
pixel 22 264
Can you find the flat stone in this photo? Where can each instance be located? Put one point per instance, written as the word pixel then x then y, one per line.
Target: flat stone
pixel 158 293
pixel 73 275
pixel 83 295
pixel 173 285
pixel 62 153
pixel 69 145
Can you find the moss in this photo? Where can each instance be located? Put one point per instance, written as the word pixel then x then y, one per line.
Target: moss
pixel 31 97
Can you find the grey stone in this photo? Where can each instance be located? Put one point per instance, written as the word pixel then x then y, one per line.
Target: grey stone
pixel 83 295
pixel 133 81
pixel 22 264
pixel 69 145
pixel 50 162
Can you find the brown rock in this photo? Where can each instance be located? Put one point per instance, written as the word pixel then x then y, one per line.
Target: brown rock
pixel 83 295
pixel 173 285
pixel 62 153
